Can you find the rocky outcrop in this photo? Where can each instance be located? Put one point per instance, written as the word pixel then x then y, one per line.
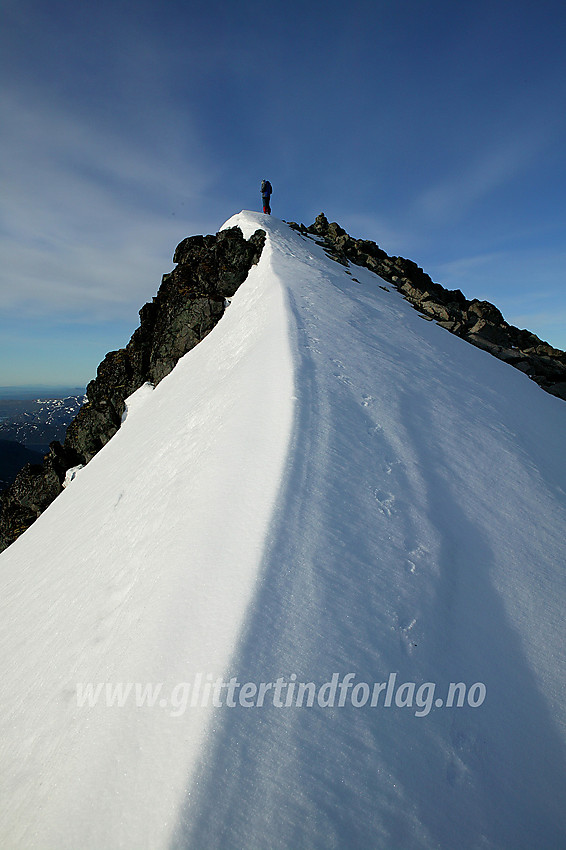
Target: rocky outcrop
pixel 478 322
pixel 189 303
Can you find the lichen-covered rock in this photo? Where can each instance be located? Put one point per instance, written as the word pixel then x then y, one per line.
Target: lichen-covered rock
pixel 188 304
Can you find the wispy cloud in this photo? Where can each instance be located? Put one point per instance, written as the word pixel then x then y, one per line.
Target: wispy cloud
pixel 526 284
pixel 544 319
pixel 462 269
pixel 391 238
pixel 90 215
pixel 497 164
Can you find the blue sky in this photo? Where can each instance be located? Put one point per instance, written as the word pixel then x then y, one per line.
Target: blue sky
pixel 436 129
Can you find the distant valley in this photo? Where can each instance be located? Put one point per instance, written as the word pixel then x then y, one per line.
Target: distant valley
pixel 28 425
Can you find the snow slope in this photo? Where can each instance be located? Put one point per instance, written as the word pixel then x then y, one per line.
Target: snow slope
pixel 328 484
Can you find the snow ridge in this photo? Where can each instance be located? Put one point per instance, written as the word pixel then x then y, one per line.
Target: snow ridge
pixel 420 530
pixel 142 571
pixel 330 485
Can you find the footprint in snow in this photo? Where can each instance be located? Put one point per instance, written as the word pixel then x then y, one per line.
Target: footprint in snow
pixel 385 501
pixel 406 626
pixel 414 558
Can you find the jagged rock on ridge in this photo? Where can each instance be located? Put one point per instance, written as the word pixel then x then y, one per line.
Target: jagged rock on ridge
pixel 478 322
pixel 188 304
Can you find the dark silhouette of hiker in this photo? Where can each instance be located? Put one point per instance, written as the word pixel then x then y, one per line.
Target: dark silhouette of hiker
pixel 266 191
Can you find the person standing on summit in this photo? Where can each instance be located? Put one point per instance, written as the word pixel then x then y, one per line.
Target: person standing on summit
pixel 266 191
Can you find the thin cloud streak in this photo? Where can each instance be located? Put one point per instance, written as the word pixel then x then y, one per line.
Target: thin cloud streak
pixel 89 217
pixel 551 319
pixel 451 198
pixel 522 284
pixel 130 126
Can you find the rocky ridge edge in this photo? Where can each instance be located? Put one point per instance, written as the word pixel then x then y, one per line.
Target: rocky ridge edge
pixel 478 322
pixel 189 303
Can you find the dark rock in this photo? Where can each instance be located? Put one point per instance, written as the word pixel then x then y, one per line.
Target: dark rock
pixel 485 310
pixel 335 232
pixel 478 322
pixel 451 326
pixel 35 487
pixel 489 331
pixel 320 226
pixel 438 311
pixel 558 389
pixel 189 303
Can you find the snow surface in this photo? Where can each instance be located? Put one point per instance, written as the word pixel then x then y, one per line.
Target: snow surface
pixel 326 484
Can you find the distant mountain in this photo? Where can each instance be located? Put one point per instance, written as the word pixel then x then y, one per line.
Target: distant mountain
pixel 37 422
pixel 33 391
pixel 12 457
pixel 189 303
